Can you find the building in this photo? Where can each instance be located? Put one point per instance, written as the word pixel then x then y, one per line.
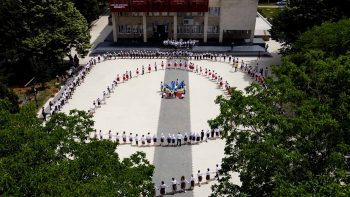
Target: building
pixel 203 20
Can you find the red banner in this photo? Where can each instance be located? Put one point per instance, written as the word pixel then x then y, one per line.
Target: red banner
pixel 159 5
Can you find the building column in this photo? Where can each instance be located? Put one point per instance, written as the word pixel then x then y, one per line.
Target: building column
pixel 114 25
pixel 175 26
pixel 144 26
pixel 205 39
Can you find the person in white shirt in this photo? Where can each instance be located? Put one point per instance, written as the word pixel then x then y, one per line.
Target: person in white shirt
pixel 162 188
pixel 124 137
pixel 174 185
pixel 137 139
pixel 179 139
pixel 148 139
pixel 162 139
pixel 143 140
pixel 208 135
pixel 117 138
pixel 199 175
pixel 207 175
pixel 173 140
pixel 155 139
pixel 192 181
pixel 130 138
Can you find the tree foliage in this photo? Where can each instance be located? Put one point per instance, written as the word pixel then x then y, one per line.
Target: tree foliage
pixel 90 9
pixel 9 99
pixel 59 159
pixel 36 35
pixel 301 15
pixel 290 139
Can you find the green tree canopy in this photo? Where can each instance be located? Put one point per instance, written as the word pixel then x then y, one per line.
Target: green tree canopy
pixel 301 15
pixel 290 139
pixel 60 159
pixel 9 99
pixel 36 35
pixel 332 38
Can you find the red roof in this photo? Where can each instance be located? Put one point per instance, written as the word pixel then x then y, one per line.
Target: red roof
pixel 159 5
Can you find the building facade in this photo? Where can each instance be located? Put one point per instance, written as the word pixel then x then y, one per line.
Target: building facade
pixel 219 20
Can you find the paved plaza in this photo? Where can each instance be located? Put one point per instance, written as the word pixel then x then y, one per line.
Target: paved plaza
pixel 136 107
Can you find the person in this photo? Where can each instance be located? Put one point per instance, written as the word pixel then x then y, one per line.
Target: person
pixel 43 113
pixel 124 137
pixel 169 139
pixel 199 175
pixel 198 137
pixel 179 138
pixel 162 65
pixel 207 176
pixel 192 181
pixel 208 135
pixel 173 140
pixel 148 139
pixel 137 139
pixel 174 185
pixel 110 135
pixel 183 182
pixel 101 136
pixel 130 138
pixel 162 138
pixel 162 188
pixel 202 135
pixel 218 171
pixel 212 133
pixel 155 139
pixel 185 138
pixel 143 141
pixel 117 138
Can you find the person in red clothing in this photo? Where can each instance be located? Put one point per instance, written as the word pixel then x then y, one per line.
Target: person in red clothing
pixel 137 72
pixel 175 65
pixel 118 79
pixel 149 68
pixel 162 65
pixel 169 65
pixel 180 64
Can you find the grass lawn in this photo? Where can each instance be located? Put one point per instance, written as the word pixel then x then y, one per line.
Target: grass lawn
pixel 269 13
pixel 44 93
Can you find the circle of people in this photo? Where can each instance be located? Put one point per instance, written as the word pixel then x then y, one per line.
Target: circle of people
pixel 76 79
pixel 193 181
pixel 170 140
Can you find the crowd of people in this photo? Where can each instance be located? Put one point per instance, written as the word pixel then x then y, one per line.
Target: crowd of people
pixel 180 43
pixel 189 184
pixel 258 74
pixel 172 139
pixel 67 90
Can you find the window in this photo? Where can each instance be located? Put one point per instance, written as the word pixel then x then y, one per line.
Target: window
pixel 214 11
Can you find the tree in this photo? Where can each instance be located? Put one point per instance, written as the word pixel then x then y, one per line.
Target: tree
pixel 301 15
pixel 291 138
pixel 9 99
pixel 60 159
pixel 36 35
pixel 332 38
